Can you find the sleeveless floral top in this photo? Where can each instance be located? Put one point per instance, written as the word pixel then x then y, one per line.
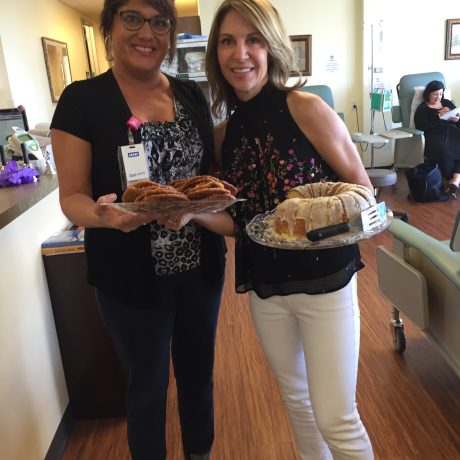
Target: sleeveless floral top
pixel 264 154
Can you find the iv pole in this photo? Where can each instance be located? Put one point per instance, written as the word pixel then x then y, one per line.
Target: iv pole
pixel 372 89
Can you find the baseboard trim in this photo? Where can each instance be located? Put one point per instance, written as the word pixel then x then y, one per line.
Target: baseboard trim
pixel 380 167
pixel 62 435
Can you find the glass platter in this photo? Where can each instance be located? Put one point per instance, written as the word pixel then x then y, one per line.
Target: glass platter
pixel 260 230
pixel 195 206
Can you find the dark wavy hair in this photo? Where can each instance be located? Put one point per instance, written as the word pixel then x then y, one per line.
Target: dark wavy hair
pixel 111 8
pixel 431 87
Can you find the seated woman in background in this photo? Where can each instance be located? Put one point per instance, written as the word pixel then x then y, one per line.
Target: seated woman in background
pixel 442 137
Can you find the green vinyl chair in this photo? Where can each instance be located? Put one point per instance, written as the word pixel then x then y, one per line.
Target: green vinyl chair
pixel 325 93
pixel 420 276
pixel 409 152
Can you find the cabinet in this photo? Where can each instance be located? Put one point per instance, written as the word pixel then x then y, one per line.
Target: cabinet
pixel 93 374
pixel 189 60
pixel 189 63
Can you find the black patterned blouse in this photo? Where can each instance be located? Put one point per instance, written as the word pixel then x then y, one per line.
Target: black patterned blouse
pixel 265 154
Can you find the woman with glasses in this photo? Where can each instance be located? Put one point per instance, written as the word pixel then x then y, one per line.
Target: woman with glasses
pixel 158 290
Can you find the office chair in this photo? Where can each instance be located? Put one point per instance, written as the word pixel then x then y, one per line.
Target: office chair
pixel 409 152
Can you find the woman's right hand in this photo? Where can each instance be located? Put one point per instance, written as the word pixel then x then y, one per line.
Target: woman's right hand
pixel 443 111
pixel 113 217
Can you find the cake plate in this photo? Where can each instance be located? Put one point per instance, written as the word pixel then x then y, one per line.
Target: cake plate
pixel 163 206
pixel 260 230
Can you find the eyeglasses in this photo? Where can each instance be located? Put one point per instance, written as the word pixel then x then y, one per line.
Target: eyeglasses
pixel 133 21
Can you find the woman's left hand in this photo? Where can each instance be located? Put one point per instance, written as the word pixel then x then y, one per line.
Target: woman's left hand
pixel 174 221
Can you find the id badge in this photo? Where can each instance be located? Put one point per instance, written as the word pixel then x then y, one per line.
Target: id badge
pixel 133 164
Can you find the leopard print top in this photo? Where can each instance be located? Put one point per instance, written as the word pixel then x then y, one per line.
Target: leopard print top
pixel 174 151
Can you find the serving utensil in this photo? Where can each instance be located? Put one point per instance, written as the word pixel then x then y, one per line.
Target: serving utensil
pixel 367 220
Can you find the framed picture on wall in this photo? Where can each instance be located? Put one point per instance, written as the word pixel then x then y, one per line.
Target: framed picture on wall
pixel 301 44
pixel 57 66
pixel 452 39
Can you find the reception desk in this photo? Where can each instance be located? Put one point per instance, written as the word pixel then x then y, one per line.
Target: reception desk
pixel 33 393
pixel 33 390
pixel 16 200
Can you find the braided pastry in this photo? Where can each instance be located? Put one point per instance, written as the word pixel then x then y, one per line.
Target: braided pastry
pixel 146 190
pixel 202 187
pixel 205 187
pixel 136 190
pixel 163 192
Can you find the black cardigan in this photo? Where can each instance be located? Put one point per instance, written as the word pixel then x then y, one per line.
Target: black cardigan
pixel 120 264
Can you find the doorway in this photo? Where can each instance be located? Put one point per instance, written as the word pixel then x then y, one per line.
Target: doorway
pixel 90 50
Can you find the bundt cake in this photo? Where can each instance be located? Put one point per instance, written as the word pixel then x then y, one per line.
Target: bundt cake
pixel 317 205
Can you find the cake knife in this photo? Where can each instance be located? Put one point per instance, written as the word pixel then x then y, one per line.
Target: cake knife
pixel 367 220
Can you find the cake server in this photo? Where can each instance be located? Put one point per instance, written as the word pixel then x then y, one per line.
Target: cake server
pixel 367 220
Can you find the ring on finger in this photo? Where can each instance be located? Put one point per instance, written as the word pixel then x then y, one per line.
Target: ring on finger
pixel 172 221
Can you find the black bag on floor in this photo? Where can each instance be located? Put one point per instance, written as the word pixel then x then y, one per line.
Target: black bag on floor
pixel 425 183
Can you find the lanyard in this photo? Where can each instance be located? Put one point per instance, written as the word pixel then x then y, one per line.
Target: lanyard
pixel 133 123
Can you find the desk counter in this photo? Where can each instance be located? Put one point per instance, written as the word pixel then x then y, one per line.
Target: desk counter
pixel 16 200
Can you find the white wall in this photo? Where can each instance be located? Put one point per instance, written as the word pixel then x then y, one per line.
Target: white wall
pixel 33 394
pixel 413 41
pixel 21 30
pixel 413 38
pixel 334 32
pixel 5 92
pixel 32 391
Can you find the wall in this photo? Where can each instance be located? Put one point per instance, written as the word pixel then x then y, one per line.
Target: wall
pixel 5 93
pixel 334 35
pixel 413 41
pixel 31 372
pixel 336 43
pixel 343 34
pixel 413 38
pixel 22 51
pixel 33 394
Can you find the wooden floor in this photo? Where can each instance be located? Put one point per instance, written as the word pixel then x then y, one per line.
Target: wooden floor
pixel 410 402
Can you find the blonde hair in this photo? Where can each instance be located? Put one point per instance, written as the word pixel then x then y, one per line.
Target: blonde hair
pixel 265 18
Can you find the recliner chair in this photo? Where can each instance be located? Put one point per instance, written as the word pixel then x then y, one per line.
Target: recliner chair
pixel 409 152
pixel 378 177
pixel 421 278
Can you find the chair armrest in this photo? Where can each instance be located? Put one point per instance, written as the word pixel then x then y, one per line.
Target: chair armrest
pixel 455 238
pixel 415 132
pixel 438 252
pixel 396 114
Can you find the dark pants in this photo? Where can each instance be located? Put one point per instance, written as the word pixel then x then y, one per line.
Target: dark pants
pixel 183 319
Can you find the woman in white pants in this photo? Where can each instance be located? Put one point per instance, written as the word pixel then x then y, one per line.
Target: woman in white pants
pixel 308 343
pixel 303 302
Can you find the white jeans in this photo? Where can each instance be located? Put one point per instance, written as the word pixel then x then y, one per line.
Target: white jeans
pixel 312 344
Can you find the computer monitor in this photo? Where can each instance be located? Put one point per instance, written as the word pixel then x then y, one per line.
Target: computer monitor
pixel 9 118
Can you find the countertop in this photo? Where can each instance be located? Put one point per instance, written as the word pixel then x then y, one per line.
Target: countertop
pixel 16 200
